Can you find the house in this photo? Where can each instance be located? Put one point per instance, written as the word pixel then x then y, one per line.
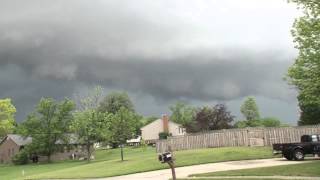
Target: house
pixel 13 143
pixel 150 132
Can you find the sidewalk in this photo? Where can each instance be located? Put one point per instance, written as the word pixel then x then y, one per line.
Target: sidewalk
pixel 257 177
pixel 183 172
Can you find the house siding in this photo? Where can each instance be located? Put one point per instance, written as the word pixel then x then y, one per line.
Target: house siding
pixel 8 149
pixel 176 129
pixel 151 131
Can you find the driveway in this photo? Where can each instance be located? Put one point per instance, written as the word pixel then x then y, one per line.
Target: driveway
pixel 183 172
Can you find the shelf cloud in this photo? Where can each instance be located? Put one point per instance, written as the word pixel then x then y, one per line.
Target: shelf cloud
pixel 200 51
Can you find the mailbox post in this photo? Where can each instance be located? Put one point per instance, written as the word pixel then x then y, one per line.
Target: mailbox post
pixel 167 158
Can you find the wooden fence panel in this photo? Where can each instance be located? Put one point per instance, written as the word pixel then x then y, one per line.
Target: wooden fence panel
pixel 236 137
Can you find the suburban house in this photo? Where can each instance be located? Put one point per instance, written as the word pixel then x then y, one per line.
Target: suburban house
pixel 150 132
pixel 13 143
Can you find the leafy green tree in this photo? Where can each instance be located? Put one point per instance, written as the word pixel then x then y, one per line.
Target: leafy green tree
pixel 7 112
pixel 114 101
pixel 270 122
pixel 182 113
pixel 49 123
pixel 263 122
pixel 310 114
pixel 122 126
pixel 91 126
pixel 250 110
pixel 305 72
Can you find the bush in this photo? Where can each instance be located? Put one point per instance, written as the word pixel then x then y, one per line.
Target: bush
pixel 164 135
pixel 21 158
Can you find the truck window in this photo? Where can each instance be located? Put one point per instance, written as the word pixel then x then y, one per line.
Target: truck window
pixel 314 138
pixel 306 138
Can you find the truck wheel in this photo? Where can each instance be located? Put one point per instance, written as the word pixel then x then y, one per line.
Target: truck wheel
pixel 288 156
pixel 298 155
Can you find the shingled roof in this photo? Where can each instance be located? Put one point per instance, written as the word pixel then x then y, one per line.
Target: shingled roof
pixel 19 140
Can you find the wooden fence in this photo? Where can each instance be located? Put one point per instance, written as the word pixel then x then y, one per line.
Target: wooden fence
pixel 236 137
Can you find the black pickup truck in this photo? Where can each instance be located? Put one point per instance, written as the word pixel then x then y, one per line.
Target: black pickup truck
pixel 310 144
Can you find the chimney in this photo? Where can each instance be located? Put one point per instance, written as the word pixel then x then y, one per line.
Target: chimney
pixel 165 121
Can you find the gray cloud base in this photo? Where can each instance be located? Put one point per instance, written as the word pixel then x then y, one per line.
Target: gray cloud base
pixel 163 50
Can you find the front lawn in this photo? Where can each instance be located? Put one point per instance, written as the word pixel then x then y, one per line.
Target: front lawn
pixel 305 169
pixel 107 162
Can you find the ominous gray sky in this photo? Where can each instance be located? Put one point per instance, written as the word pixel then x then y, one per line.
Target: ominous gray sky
pixel 203 52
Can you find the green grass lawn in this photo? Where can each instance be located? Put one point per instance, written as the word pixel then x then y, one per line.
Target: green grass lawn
pixel 305 169
pixel 107 162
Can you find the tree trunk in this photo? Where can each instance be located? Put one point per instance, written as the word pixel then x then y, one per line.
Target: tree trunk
pixel 88 152
pixel 121 146
pixel 49 157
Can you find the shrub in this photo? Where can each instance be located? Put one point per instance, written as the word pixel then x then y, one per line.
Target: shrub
pixel 21 158
pixel 164 135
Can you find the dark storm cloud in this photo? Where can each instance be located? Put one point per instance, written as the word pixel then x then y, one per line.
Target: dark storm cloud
pixel 213 79
pixel 162 49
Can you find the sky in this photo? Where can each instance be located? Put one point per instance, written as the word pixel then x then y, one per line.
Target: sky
pixel 203 52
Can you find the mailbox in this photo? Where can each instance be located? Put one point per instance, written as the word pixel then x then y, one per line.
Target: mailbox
pixel 165 157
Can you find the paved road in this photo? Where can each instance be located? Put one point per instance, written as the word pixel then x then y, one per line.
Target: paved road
pixel 183 172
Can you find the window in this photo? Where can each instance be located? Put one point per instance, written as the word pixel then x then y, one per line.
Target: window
pixel 181 130
pixel 9 152
pixel 12 151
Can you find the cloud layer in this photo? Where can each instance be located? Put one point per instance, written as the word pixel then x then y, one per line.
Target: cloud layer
pixel 198 51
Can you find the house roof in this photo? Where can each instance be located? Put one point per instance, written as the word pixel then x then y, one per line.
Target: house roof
pixel 170 122
pixel 19 140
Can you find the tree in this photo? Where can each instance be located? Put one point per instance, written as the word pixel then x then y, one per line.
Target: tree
pixel 263 122
pixel 7 112
pixel 305 72
pixel 310 114
pixel 89 101
pixel 250 110
pixel 241 124
pixel 114 101
pixel 222 118
pixel 50 122
pixel 122 127
pixel 213 118
pixel 182 113
pixel 270 122
pixel 91 126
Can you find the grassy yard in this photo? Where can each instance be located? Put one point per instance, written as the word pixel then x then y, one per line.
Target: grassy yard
pixel 305 169
pixel 107 162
